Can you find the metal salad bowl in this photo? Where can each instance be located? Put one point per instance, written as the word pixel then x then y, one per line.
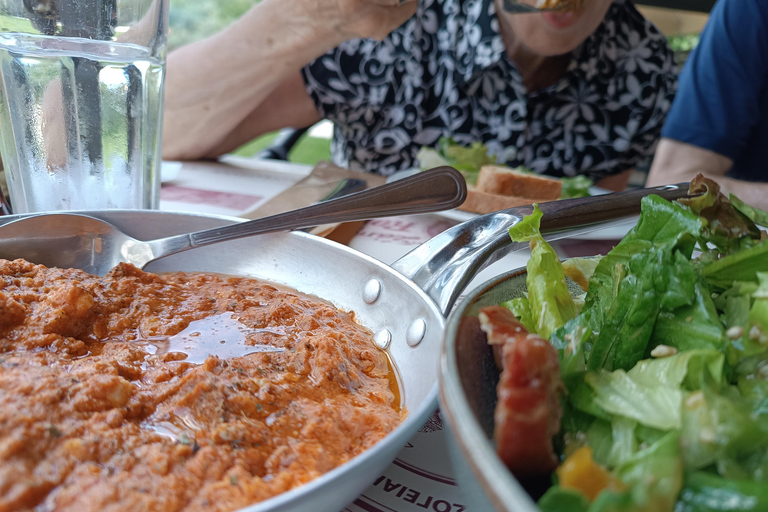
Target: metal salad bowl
pixel 404 305
pixel 468 380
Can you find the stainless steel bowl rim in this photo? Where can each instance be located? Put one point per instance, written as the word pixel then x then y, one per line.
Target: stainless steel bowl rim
pixel 501 488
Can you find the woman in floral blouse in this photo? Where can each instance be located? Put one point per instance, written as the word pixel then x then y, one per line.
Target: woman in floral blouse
pixel 581 91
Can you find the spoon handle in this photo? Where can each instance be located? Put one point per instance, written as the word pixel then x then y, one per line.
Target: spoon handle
pixel 435 190
pixel 445 264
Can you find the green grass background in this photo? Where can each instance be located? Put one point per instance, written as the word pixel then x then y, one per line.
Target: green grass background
pixel 191 20
pixel 309 150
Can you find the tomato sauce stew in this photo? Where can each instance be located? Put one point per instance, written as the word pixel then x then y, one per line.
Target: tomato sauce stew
pixel 138 391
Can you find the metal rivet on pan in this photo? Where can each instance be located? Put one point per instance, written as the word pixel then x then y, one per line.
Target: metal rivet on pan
pixel 382 339
pixel 371 291
pixel 416 332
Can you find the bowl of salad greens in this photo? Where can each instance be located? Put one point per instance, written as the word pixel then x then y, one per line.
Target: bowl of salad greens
pixel 659 394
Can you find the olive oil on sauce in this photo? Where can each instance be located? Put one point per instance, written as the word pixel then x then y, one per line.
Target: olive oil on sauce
pixel 226 337
pixel 222 335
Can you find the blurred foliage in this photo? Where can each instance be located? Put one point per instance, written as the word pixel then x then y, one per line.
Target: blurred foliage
pixel 682 45
pixel 191 20
pixel 308 150
pixel 14 24
pixel 683 42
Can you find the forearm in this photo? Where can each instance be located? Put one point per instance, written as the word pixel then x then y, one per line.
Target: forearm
pixel 212 85
pixel 676 162
pixel 752 193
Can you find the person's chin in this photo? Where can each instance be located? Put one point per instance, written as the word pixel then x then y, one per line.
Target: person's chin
pixel 565 31
pixel 552 46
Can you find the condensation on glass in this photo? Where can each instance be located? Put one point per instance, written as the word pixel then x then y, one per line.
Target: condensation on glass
pixel 81 102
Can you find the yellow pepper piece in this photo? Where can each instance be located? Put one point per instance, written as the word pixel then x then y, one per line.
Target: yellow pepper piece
pixel 582 473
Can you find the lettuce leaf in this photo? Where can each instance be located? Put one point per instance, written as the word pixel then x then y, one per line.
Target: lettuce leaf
pixel 573 341
pixel 647 272
pixel 654 477
pixel 466 159
pixel 736 304
pixel 725 225
pixel 691 326
pixel 580 270
pixel 756 391
pixel 529 228
pixel 686 370
pixel 758 313
pixel 576 186
pixel 705 492
pixel 557 499
pixel 551 304
pixel 429 158
pixel 652 392
pixel 756 215
pixel 612 442
pixel 739 266
pixel 658 278
pixel 521 308
pixel 719 428
pixel 666 223
pixel 654 405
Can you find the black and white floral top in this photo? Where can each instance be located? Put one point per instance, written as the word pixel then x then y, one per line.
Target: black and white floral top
pixel 445 73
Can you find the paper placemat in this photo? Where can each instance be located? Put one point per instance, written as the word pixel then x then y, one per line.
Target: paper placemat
pixel 255 188
pixel 420 478
pixel 228 189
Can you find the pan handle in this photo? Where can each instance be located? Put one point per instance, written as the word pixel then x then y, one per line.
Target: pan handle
pixel 444 265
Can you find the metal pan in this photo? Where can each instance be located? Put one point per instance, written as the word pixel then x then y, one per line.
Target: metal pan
pixel 404 305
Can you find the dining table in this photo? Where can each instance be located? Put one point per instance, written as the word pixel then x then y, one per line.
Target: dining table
pixel 423 477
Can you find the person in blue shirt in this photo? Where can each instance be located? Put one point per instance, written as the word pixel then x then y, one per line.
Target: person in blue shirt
pixel 718 124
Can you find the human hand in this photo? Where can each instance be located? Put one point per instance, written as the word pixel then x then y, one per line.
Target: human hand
pixel 352 19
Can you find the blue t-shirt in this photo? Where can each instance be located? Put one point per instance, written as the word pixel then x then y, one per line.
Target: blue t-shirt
pixel 722 98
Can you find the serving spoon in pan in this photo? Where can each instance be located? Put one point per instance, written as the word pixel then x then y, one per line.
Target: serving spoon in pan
pixel 75 240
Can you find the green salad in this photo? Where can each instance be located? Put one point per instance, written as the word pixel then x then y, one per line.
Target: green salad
pixel 469 159
pixel 664 360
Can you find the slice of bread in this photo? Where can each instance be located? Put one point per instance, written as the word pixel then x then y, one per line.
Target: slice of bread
pixel 484 202
pixel 510 182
